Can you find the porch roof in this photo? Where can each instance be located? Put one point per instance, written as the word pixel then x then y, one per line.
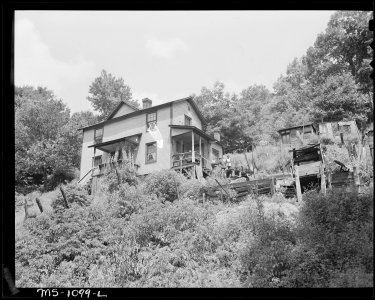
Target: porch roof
pixel 195 130
pixel 101 146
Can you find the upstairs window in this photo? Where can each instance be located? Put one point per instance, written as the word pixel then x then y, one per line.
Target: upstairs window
pixel 187 121
pixel 150 153
pixel 151 118
pixel 97 160
pixel 308 129
pixel 98 135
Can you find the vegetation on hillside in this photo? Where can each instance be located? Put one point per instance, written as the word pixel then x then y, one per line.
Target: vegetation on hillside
pixel 136 237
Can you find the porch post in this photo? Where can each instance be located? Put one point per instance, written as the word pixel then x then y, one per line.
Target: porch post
pixel 93 161
pixel 192 147
pixel 209 153
pixel 200 151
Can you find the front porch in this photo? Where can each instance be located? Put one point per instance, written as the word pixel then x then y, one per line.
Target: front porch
pixel 191 151
pixel 114 154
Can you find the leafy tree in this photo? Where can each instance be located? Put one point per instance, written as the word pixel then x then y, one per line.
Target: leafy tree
pixel 339 99
pixel 106 91
pixel 344 47
pixel 219 109
pixel 38 116
pixel 47 140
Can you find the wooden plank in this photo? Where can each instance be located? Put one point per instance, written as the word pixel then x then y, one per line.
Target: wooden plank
pixel 251 182
pixel 323 180
pixel 298 184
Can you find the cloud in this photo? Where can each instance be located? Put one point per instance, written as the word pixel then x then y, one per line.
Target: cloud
pixel 34 64
pixel 165 48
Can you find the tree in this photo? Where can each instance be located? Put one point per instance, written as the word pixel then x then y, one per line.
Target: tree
pixel 42 143
pixel 106 91
pixel 339 99
pixel 38 116
pixel 343 48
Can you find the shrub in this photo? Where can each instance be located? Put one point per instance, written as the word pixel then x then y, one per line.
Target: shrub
pixel 115 177
pixel 60 175
pixel 74 237
pixel 164 184
pixel 128 200
pixel 266 257
pixel 339 228
pixel 75 193
pixel 193 188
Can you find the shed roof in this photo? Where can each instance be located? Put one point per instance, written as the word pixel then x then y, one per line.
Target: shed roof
pixel 295 127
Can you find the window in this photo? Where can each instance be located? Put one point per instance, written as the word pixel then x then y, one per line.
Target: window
pixel 215 154
pixel 285 139
pixel 187 121
pixel 97 160
pixel 346 129
pixel 151 118
pixel 308 129
pixel 150 152
pixel 98 135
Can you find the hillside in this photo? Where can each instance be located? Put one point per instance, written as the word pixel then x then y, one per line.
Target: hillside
pixel 132 236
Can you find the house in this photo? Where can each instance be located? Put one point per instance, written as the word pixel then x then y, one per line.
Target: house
pixel 334 130
pixel 166 136
pixel 297 136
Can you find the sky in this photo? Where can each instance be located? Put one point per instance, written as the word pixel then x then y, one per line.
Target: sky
pixel 161 55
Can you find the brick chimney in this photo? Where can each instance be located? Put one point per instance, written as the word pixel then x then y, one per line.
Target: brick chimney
pixel 217 135
pixel 146 103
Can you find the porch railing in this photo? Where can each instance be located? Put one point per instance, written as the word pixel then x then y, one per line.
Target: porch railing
pixel 102 168
pixel 186 158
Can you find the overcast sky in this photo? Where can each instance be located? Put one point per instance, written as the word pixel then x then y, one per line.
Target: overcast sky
pixel 161 55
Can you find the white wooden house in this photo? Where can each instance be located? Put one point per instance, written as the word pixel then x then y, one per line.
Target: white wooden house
pixel 166 136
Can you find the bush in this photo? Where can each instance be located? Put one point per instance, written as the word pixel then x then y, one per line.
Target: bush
pixel 193 188
pixel 164 184
pixel 74 237
pixel 128 200
pixel 75 193
pixel 338 227
pixel 111 181
pixel 61 175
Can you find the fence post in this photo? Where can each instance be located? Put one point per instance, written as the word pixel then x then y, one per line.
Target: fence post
pixel 356 180
pixel 298 184
pixel 330 180
pixel 26 209
pixel 39 204
pixel 272 186
pixel 64 196
pixel 323 180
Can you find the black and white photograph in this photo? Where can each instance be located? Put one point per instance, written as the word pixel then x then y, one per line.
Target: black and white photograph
pixel 193 149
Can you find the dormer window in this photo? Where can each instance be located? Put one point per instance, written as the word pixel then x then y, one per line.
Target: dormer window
pixel 151 118
pixel 187 121
pixel 98 135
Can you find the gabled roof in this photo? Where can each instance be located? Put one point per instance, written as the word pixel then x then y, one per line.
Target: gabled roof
pixel 147 110
pixel 121 103
pixel 295 127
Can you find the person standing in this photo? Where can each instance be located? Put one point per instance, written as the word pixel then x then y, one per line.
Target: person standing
pixel 228 162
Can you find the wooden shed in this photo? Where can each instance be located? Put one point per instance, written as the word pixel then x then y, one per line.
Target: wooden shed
pixel 297 136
